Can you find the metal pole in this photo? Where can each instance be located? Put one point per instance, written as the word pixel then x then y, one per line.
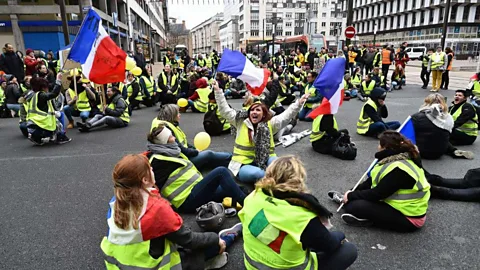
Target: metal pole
pixel 446 18
pixel 349 17
pixel 80 6
pixel 63 15
pixel 274 21
pixel 374 33
pixel 263 30
pixel 150 32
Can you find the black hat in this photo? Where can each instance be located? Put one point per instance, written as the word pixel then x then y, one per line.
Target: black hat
pixel 378 93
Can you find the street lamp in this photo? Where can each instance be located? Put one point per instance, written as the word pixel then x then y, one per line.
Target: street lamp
pixel 374 33
pixel 446 17
pixel 274 21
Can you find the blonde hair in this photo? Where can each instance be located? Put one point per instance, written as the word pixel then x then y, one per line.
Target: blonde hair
pixel 285 174
pixel 435 98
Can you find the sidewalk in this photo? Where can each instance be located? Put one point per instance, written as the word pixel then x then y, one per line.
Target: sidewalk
pixel 458 65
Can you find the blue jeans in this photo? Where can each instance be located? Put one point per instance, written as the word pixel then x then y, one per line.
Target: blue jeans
pixel 70 111
pixel 62 121
pixel 302 115
pixel 191 104
pixel 211 159
pixel 251 173
pixel 215 186
pixel 14 107
pixel 379 127
pixel 23 129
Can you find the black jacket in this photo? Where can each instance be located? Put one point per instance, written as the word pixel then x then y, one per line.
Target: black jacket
pixel 164 87
pixel 140 60
pixel 468 113
pixel 120 106
pixel 44 97
pixel 432 141
pixel 374 115
pixel 11 63
pixel 12 93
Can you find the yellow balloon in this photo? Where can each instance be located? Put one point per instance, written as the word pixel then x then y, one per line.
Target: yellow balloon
pixel 202 141
pixel 136 71
pixel 182 102
pixel 130 63
pixel 74 72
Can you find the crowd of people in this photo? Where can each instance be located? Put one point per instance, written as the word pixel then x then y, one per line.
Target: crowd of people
pixel 282 224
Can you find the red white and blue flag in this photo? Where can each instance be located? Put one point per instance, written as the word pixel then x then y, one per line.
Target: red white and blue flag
pixel 235 64
pixel 101 59
pixel 329 84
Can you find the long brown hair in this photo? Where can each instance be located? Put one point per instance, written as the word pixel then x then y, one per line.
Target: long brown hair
pixel 397 142
pixel 127 179
pixel 267 115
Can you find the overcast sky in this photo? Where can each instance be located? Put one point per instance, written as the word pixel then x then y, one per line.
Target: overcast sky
pixel 193 14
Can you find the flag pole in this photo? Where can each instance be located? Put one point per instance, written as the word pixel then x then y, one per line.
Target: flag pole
pixel 371 166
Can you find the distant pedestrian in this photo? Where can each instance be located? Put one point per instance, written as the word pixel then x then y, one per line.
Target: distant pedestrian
pixel 437 64
pixel 140 58
pixel 11 63
pixel 425 74
pixel 445 74
pixel 387 59
pixel 30 63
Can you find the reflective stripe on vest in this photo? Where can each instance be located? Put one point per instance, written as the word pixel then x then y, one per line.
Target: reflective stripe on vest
pixel 148 84
pixel 364 121
pixel 180 183
pixel 45 120
pixel 310 89
pixel 139 97
pixel 82 104
pixel 470 128
pixel 244 148
pixel 125 116
pixel 411 202
pixel 356 80
pixel 177 131
pixel 425 60
pixel 368 89
pixel 201 62
pixel 201 102
pixel 437 63
pixel 316 133
pixel 306 264
pixel 173 80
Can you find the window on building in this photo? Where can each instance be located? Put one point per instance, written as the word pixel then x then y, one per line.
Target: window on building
pixel 477 14
pixel 441 14
pixel 290 5
pixel 268 32
pixel 398 5
pixel 288 24
pixel 405 20
pixel 453 14
pixel 324 15
pixel 241 8
pixel 422 17
pixel 406 5
pixel 384 8
pixel 274 5
pixel 332 32
pixel 279 33
pixel 324 24
pixel 324 5
pixel 391 7
pixel 288 15
pixel 288 33
pixel 254 16
pixel 299 16
pixel 254 25
pixel 333 14
pixel 391 22
pixel 414 19
pixel 466 10
pixel 241 26
pixel 430 18
pixel 254 33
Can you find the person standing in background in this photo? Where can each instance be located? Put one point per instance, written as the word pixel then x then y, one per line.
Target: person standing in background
pixel 425 74
pixel 369 57
pixel 437 64
pixel 445 74
pixel 11 63
pixel 140 58
pixel 387 59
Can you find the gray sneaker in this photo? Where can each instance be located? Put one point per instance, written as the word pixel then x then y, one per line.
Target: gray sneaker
pixel 355 221
pixel 335 196
pixel 217 262
pixel 236 230
pixel 464 154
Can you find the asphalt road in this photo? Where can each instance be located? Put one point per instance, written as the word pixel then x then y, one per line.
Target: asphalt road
pixel 54 199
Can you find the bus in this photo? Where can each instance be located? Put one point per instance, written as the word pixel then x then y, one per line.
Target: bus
pixel 179 49
pixel 318 41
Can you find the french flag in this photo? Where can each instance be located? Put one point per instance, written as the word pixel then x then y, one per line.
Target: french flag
pixel 330 84
pixel 101 59
pixel 235 64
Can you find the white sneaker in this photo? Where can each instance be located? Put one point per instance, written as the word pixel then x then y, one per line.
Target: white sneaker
pixel 465 154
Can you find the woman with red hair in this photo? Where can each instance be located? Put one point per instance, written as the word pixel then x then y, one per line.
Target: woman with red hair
pixel 199 100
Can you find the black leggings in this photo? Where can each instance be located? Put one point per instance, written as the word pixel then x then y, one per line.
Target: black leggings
pixel 445 80
pixel 465 189
pixel 460 138
pixel 381 214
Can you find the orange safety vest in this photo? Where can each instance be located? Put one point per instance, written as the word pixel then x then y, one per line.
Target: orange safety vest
pixel 386 57
pixel 451 62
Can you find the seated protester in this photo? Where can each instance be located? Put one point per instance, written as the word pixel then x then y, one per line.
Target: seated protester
pixel 297 81
pixel 284 97
pixel 378 78
pixel 212 106
pixel 222 80
pixel 237 89
pixel 366 88
pixel 395 196
pixel 44 72
pixel 465 189
pixel 115 114
pixel 282 203
pixel 168 84
pixel 134 91
pixel 179 180
pixel 148 86
pixel 324 133
pixel 433 125
pixel 199 100
pixel 465 128
pixel 4 111
pixel 145 232
pixel 42 124
pixel 269 97
pixel 25 85
pixel 398 77
pixel 169 115
pixel 350 89
pixel 12 93
pixel 314 97
pixel 23 101
pixel 475 90
pixel 78 105
pixel 370 121
pixel 357 78
pixel 254 144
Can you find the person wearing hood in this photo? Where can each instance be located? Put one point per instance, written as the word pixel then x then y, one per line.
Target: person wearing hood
pixel 42 124
pixel 144 232
pixel 115 113
pixel 433 125
pixel 78 104
pixel 282 206
pixel 324 133
pixel 169 115
pixel 254 145
pixel 134 91
pixel 314 97
pixel 465 128
pixel 178 178
pixel 12 63
pixel 199 100
pixel 12 93
pixel 370 121
pixel 395 196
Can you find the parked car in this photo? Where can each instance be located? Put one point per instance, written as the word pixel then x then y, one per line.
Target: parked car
pixel 415 52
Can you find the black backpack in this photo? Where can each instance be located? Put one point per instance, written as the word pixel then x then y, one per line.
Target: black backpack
pixel 343 148
pixel 212 125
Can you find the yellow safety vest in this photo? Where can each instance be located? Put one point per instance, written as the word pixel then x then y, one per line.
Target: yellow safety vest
pixel 368 88
pixel 2 96
pixel 356 80
pixel 410 202
pixel 351 56
pixel 202 102
pixel 148 84
pixel 180 182
pixel 310 89
pixel 125 116
pixel 83 104
pixel 272 229
pixel 201 62
pixel 425 60
pixel 471 126
pixel 177 131
pixel 284 91
pixel 226 124
pixel 316 133
pixel 441 61
pixel 476 89
pixel 172 81
pixel 44 120
pixel 209 62
pixel 244 148
pixel 139 97
pixel 364 121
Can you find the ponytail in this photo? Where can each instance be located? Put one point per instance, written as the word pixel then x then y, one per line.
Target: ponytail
pixel 396 141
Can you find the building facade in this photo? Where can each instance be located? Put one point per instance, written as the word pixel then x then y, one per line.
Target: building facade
pixel 37 24
pixel 206 36
pixel 294 17
pixel 420 23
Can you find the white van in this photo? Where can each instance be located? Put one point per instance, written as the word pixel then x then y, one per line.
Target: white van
pixel 415 52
